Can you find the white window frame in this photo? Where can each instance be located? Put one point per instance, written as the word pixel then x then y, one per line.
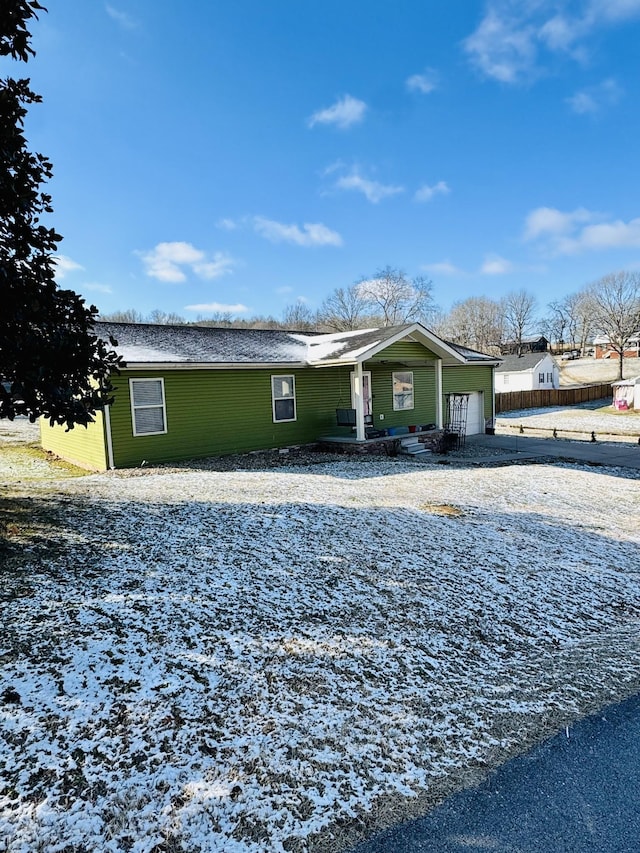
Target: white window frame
pixel 541 378
pixel 134 408
pixel 397 408
pixel 291 397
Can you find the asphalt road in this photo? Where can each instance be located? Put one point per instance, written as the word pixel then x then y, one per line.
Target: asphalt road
pixel 577 793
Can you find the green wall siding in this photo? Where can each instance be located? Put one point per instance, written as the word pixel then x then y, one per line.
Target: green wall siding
pixel 217 412
pixel 84 446
pixel 424 395
pixel 467 378
pixel 404 351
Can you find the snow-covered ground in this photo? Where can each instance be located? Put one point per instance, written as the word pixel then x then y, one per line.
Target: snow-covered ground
pixel 579 420
pixel 589 370
pixel 280 660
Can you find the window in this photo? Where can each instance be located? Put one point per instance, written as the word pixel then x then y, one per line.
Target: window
pixel 147 406
pixel 549 377
pixel 505 379
pixel 402 391
pixel 283 394
pixel 541 378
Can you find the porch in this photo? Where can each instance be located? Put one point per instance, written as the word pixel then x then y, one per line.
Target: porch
pixel 400 441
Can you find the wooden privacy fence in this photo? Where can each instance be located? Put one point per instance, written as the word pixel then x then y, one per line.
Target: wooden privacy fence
pixel 541 398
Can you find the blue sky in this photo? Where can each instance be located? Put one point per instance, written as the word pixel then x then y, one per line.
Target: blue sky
pixel 244 155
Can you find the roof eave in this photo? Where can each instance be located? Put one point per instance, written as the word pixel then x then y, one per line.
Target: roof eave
pixel 235 365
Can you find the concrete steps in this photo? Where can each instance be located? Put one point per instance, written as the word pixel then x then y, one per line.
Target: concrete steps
pixel 410 446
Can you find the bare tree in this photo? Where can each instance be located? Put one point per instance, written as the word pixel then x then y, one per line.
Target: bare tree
pixel 299 317
pixel 164 318
pixel 556 323
pixel 157 317
pixel 475 322
pixel 615 302
pixel 215 320
pixel 579 311
pixel 129 315
pixel 395 298
pixel 345 310
pixel 518 309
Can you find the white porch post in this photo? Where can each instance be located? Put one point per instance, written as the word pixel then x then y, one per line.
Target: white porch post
pixel 359 401
pixel 439 420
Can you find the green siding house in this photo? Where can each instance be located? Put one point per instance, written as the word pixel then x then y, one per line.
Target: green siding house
pixel 190 391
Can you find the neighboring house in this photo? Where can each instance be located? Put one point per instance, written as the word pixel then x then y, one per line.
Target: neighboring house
pixel 603 348
pixel 538 343
pixel 189 391
pixel 528 372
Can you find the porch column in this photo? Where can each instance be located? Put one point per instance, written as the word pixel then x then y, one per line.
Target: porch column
pixel 359 401
pixel 439 420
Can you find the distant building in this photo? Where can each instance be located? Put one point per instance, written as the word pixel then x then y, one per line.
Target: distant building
pixel 529 372
pixel 603 348
pixel 534 344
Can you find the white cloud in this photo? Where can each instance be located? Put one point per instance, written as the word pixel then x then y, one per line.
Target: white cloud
pixel 227 224
pixel 550 222
pixel 603 236
pixel 121 18
pixel 501 47
pixel 426 193
pixel 595 98
pixel 558 33
pixel 424 83
pixel 515 39
pixel 65 265
pixel 571 233
pixel 443 268
pixel 166 262
pixel 372 190
pixel 311 234
pixel 496 265
pixel 346 112
pixel 97 288
pixel 614 10
pixel 218 308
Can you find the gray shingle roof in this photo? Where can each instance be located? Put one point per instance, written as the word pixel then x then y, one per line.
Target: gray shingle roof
pixel 150 344
pixel 515 363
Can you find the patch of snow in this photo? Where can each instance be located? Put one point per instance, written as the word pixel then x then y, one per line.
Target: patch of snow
pixel 579 419
pixel 236 661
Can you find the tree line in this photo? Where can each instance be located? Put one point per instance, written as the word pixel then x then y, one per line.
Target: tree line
pixel 609 306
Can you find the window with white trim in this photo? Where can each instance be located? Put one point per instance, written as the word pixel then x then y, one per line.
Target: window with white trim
pixel 148 411
pixel 283 398
pixel 541 378
pixel 549 377
pixel 402 390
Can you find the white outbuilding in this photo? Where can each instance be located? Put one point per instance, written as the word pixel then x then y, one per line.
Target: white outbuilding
pixel 626 394
pixel 530 371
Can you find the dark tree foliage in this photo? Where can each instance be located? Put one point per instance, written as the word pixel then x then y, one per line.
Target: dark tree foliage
pixel 51 363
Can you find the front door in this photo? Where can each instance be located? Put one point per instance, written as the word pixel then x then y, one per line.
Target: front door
pixel 366 395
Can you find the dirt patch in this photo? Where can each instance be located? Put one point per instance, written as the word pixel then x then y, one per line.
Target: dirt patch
pixel 442 509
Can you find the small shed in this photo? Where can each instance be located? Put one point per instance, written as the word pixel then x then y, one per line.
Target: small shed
pixel 626 394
